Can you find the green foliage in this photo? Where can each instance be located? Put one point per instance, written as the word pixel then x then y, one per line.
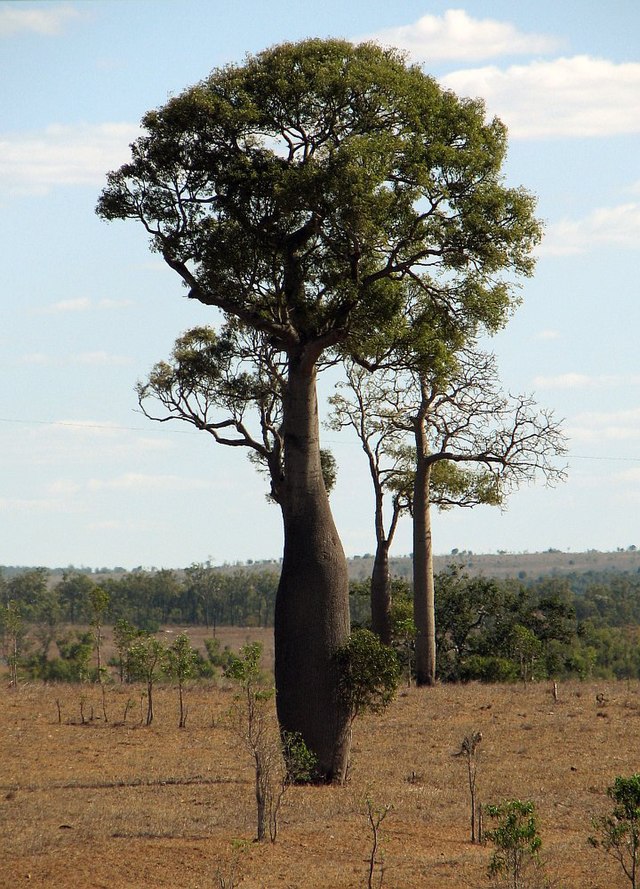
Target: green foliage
pixel 252 721
pixel 146 655
pixel 618 833
pixel 244 667
pixel 257 182
pixel 301 763
pixel 516 839
pixel 368 673
pixel 218 658
pixel 403 631
pixel 124 634
pixel 180 664
pixel 180 659
pixel 575 624
pixel 488 668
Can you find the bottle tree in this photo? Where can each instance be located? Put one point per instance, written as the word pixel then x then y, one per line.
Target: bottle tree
pixel 310 193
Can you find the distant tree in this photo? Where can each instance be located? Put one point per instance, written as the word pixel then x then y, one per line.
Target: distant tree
pixel 146 655
pixel 311 194
pixel 73 592
pixel 99 605
pixel 362 404
pixel 463 418
pixel 180 665
pixel 26 587
pixel 124 634
pixel 14 632
pixel 201 591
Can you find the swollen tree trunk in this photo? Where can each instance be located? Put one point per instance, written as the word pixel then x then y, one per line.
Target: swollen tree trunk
pixel 423 586
pixel 312 602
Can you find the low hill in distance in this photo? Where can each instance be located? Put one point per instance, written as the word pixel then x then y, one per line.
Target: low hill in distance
pixel 499 565
pixel 522 565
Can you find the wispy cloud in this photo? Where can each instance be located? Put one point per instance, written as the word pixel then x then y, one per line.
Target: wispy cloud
pixel 22 505
pixel 100 359
pixel 456 35
pixel 573 380
pixel 40 19
pixel 612 226
pixel 601 426
pixel 579 96
pixel 547 335
pixel 81 304
pixel 96 359
pixel 65 305
pixel 140 481
pixel 34 163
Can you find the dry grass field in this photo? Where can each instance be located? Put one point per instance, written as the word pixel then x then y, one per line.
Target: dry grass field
pixel 107 804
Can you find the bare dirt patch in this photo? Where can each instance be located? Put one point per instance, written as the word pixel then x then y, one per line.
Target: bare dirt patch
pixel 121 805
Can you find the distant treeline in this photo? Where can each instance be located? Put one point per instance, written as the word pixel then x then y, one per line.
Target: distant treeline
pixel 582 624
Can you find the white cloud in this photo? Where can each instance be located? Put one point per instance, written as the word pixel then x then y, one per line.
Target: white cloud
pixel 629 475
pixel 33 163
pixel 607 226
pixel 563 381
pixel 66 305
pixel 455 35
pixel 37 358
pixel 567 97
pixel 574 380
pixel 63 488
pixel 40 20
pixel 548 335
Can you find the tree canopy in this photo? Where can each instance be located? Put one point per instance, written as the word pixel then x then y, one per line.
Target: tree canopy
pixel 311 190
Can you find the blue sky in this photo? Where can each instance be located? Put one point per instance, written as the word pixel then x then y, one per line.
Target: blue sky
pixel 87 309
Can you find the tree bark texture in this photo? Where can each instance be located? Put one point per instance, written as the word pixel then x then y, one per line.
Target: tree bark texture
pixel 423 586
pixel 312 601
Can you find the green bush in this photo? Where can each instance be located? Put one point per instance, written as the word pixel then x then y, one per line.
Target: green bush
pixel 489 669
pixel 369 673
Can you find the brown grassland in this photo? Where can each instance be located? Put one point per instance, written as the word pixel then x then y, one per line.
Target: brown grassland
pixel 113 804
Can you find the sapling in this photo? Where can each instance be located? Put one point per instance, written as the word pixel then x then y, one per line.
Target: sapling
pixel 517 841
pixel 251 723
pixel 618 833
pixel 180 665
pixel 469 750
pixel 375 817
pixel 146 655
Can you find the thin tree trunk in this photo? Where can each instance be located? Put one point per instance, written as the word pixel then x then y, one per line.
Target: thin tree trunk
pixel 381 593
pixel 423 586
pixel 312 602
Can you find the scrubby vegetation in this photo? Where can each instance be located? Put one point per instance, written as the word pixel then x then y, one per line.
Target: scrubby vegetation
pixel 494 630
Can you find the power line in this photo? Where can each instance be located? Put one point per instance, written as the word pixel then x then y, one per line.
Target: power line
pixel 175 431
pixel 106 428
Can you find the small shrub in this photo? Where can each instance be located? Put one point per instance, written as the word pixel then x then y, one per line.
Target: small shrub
pixel 618 834
pixel 368 673
pixel 516 839
pixel 488 669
